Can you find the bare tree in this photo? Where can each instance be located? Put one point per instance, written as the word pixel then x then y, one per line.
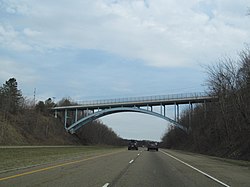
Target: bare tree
pixel 227 125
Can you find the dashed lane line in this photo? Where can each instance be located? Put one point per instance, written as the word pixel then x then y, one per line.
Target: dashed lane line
pixel 106 185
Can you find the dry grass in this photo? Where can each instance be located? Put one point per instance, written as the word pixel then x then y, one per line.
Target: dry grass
pixel 21 157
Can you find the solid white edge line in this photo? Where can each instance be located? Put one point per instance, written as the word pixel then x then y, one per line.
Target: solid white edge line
pixel 207 175
pixel 131 161
pixel 106 185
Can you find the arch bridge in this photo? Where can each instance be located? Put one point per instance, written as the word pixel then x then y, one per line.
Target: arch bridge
pixel 77 116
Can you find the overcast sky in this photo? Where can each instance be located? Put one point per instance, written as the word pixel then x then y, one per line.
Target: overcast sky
pixel 103 49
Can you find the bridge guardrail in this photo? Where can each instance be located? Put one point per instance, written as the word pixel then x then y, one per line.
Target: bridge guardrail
pixel 145 98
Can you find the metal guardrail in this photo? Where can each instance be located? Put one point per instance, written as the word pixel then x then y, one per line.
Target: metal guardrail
pixel 146 98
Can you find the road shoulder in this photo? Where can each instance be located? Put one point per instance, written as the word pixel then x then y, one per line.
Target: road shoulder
pixel 232 172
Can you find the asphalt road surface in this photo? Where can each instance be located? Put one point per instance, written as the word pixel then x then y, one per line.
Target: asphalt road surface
pixel 120 168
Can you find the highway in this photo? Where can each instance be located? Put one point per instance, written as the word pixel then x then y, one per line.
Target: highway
pixel 118 168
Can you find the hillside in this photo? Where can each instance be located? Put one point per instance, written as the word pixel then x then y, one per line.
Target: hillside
pixel 31 128
pixel 23 123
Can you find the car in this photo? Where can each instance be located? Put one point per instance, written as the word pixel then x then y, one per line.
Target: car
pixel 152 146
pixel 133 145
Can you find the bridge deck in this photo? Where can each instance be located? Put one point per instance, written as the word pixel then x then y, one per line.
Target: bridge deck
pixel 142 101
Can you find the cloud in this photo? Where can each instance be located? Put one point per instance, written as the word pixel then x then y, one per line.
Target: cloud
pixel 160 33
pixel 10 39
pixel 30 33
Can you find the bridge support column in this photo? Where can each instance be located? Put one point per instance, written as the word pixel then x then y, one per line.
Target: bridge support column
pixel 65 118
pixel 161 108
pixel 190 114
pixel 164 108
pixel 76 115
pixel 55 113
pixel 176 112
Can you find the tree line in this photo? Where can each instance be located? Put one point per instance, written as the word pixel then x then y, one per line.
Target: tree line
pixel 220 128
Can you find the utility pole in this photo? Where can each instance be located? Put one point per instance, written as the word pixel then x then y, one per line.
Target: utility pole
pixel 34 101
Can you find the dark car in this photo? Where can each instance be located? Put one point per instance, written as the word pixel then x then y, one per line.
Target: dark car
pixel 152 146
pixel 132 145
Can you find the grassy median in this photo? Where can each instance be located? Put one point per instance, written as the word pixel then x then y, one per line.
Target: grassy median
pixel 22 157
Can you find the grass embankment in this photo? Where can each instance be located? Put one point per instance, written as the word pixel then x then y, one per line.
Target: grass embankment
pixel 195 157
pixel 21 157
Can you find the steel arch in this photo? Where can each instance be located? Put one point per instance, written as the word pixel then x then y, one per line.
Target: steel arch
pixel 78 124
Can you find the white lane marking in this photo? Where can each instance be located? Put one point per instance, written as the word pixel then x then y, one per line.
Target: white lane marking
pixel 138 154
pixel 106 185
pixel 209 176
pixel 131 161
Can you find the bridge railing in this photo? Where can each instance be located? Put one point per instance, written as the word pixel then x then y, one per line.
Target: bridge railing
pixel 146 98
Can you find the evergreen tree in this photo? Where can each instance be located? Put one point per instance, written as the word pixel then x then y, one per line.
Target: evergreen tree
pixel 11 96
